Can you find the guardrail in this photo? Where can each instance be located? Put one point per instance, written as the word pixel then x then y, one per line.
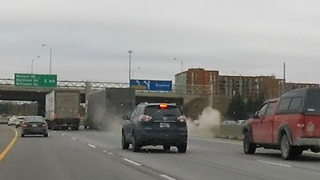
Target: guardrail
pixel 176 89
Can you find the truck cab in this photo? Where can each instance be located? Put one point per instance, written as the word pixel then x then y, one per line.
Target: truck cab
pixel 290 123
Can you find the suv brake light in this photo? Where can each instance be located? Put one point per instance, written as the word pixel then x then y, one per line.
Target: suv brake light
pixel 163 105
pixel 182 118
pixel 145 118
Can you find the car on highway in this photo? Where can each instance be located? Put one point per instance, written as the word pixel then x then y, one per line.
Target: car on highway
pixel 155 124
pixel 290 123
pixel 19 121
pixel 12 120
pixel 34 125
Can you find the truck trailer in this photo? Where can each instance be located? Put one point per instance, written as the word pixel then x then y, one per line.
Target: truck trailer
pixel 63 109
pixel 107 105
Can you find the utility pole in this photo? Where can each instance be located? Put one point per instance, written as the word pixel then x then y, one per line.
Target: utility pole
pixel 284 79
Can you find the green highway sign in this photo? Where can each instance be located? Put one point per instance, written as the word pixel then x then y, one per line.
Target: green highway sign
pixel 35 80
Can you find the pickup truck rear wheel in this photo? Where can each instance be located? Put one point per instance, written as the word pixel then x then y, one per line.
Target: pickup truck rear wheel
pixel 287 150
pixel 248 146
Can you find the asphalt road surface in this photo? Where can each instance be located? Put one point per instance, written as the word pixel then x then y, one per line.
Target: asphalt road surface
pixel 85 154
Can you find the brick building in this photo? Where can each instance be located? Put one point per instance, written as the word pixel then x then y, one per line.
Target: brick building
pixel 199 80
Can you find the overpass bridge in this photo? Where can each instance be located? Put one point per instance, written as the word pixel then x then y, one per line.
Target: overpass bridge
pixel 8 91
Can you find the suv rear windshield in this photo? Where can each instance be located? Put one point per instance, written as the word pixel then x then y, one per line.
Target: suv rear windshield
pixel 312 103
pixel 156 112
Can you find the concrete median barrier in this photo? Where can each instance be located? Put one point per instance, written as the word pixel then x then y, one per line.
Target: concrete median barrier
pixel 231 131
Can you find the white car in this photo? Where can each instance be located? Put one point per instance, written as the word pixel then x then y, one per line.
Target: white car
pixel 20 120
pixel 12 120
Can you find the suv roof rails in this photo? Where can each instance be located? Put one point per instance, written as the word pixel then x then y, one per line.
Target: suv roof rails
pixel 170 103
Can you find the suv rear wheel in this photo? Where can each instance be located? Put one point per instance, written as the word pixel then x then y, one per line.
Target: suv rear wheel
pixel 182 148
pixel 124 143
pixel 135 145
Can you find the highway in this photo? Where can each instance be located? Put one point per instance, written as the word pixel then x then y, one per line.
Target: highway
pixel 87 154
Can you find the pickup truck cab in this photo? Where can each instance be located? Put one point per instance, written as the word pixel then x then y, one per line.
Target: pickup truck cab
pixel 290 123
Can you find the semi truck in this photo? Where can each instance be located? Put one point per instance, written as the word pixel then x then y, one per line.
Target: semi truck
pixel 63 109
pixel 108 105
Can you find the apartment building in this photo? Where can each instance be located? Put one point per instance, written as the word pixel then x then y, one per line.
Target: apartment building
pixel 198 81
pixel 201 81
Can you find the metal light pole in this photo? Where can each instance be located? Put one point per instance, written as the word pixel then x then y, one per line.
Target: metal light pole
pixel 181 64
pixel 130 52
pixel 133 71
pixel 284 78
pixel 32 63
pixel 50 57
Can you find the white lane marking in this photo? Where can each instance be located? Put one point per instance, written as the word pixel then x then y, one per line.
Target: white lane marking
pixel 54 131
pixel 274 163
pixel 110 153
pixel 167 177
pixel 104 151
pixel 132 162
pixel 92 145
pixel 74 138
pixel 62 134
pixel 219 141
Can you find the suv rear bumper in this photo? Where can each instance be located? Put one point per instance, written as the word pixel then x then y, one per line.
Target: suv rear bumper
pixel 161 139
pixel 308 141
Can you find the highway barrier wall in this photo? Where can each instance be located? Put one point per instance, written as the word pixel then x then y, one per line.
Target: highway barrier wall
pixel 230 131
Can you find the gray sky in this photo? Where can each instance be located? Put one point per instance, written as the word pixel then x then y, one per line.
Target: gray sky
pixel 90 38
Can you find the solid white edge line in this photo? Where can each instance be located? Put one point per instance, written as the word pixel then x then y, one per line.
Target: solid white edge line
pixel 132 162
pixel 274 163
pixel 74 138
pixel 110 153
pixel 218 141
pixel 167 177
pixel 92 145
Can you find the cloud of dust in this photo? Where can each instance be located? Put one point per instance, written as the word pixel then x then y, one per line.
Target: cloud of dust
pixel 107 120
pixel 207 125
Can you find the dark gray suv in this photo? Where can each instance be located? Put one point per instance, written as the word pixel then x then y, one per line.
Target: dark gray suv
pixel 155 124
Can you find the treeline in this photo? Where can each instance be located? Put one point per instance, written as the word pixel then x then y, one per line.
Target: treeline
pixel 14 108
pixel 240 109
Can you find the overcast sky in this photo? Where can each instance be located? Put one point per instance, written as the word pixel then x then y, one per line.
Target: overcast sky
pixel 90 39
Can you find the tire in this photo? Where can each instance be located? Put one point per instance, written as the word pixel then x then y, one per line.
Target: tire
pixel 287 150
pixel 135 145
pixel 182 148
pixel 22 135
pixel 46 135
pixel 124 143
pixel 248 146
pixel 166 147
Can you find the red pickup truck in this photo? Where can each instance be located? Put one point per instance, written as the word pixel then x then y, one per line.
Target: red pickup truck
pixel 290 123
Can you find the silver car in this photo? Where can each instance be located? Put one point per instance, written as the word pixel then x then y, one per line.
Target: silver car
pixel 34 125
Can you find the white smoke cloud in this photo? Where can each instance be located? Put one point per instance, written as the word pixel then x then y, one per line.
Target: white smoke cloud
pixel 207 124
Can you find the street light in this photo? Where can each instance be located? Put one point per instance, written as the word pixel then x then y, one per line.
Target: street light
pixel 50 57
pixel 130 52
pixel 181 64
pixel 133 71
pixel 32 63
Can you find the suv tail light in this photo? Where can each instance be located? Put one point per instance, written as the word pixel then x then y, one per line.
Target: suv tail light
pixel 182 118
pixel 79 116
pixel 55 115
pixel 44 125
pixel 145 118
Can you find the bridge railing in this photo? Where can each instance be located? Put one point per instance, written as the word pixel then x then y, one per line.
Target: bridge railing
pixel 81 85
